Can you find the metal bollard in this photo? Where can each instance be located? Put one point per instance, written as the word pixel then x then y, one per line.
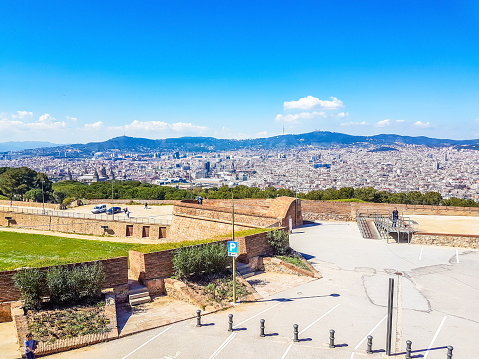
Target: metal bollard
pixel 370 345
pixel 408 349
pixel 230 322
pixel 449 352
pixel 331 339
pixel 198 318
pixel 261 328
pixel 295 333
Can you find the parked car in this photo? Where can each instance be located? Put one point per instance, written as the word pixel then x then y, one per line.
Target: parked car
pixel 114 210
pixel 101 208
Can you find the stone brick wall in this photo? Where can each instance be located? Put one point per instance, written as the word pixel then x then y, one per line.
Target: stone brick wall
pixel 125 201
pixel 78 225
pixel 326 211
pixel 147 266
pixel 192 221
pixel 346 211
pixel 449 240
pixel 116 273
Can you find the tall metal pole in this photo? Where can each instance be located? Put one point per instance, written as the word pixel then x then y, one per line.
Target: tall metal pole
pixel 390 316
pixel 112 211
pixel 234 258
pixel 43 199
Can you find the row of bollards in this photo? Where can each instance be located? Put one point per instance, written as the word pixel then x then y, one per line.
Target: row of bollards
pixel 369 349
pixel 409 350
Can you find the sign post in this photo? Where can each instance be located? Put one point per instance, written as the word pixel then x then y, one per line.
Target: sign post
pixel 233 252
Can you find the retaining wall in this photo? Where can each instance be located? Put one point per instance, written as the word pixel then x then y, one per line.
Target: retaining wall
pixel 346 211
pixel 192 221
pixel 116 273
pixel 149 266
pixel 80 225
pixel 448 240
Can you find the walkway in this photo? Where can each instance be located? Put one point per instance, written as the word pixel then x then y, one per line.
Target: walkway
pixel 437 294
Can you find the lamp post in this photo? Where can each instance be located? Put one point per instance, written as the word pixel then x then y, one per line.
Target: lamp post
pixel 43 199
pixel 231 185
pixel 112 211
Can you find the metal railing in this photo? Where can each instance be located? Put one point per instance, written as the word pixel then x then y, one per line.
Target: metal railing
pixel 100 217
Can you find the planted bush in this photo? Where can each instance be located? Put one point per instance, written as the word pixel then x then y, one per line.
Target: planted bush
pixel 30 283
pixel 279 241
pixel 200 260
pixel 69 285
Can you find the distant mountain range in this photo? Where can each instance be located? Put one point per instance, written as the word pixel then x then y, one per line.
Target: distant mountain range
pixel 321 139
pixel 19 146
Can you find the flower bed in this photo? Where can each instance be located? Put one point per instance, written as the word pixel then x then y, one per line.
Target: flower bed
pixel 68 322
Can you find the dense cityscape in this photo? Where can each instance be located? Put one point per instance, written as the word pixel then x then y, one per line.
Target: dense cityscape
pixel 450 171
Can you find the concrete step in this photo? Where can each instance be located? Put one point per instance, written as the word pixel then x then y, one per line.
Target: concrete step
pixel 139 301
pixel 138 289
pixel 245 270
pixel 139 295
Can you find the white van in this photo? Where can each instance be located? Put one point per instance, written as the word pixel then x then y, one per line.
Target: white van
pixel 101 208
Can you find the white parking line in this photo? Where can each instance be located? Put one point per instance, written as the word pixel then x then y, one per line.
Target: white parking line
pixel 352 355
pixel 370 332
pixel 254 316
pixel 141 346
pixel 420 253
pixel 321 317
pixel 287 350
pixel 435 336
pixel 222 346
pixel 457 256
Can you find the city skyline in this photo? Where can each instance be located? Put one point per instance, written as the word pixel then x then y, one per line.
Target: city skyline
pixel 77 73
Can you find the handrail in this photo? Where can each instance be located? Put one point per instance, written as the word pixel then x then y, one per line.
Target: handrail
pixel 99 217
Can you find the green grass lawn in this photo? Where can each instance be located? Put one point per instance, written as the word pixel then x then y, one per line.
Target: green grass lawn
pixel 36 250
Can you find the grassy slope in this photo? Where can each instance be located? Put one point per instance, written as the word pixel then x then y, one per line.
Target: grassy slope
pixel 36 250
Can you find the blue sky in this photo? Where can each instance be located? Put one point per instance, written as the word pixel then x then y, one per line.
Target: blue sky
pixel 84 71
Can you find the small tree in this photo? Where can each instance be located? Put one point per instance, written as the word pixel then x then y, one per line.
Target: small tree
pixel 279 241
pixel 30 283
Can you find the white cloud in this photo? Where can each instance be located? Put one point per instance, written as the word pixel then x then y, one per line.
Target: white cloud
pixel 364 123
pixel 400 121
pixel 421 124
pixel 22 114
pixel 294 118
pixel 97 124
pixel 383 123
pixel 46 118
pixel 71 118
pixel 44 123
pixel 310 103
pixel 343 114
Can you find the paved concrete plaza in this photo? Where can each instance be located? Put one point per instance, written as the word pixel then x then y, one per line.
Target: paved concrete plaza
pixel 437 293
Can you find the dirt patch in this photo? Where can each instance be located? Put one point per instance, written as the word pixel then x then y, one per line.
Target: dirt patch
pixel 63 323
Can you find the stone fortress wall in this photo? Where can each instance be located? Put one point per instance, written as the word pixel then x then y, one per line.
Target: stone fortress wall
pixel 47 222
pixel 214 217
pixel 346 211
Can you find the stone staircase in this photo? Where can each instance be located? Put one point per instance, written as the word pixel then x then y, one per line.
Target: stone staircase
pixel 245 270
pixel 138 293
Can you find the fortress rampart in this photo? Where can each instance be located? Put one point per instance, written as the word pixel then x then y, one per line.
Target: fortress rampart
pixel 194 221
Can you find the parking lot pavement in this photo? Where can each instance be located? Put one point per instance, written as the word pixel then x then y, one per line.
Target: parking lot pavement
pixel 435 301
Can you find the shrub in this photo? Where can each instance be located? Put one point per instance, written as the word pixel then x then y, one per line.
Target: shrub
pixel 30 283
pixel 68 285
pixel 279 241
pixel 200 260
pixel 67 201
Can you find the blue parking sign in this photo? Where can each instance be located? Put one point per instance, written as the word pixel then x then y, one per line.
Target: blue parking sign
pixel 233 248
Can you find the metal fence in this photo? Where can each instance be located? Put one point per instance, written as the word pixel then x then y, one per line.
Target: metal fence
pixel 100 217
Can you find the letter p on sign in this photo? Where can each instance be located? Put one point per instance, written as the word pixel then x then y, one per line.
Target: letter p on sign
pixel 233 248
